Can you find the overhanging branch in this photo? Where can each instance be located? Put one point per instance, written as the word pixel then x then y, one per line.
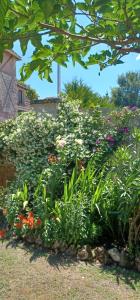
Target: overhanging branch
pixel 126 43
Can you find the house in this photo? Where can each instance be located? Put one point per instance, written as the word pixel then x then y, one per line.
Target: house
pixel 49 105
pixel 12 94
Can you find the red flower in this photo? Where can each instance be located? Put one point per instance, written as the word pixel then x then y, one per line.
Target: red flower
pixel 38 222
pixel 21 217
pixel 25 221
pixel 31 222
pixel 30 214
pixel 2 233
pixel 18 225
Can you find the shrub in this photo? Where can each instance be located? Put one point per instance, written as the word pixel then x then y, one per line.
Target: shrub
pixel 77 175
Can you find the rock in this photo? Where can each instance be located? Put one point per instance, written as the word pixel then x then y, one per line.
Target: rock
pixel 56 245
pixel 114 254
pixel 71 251
pixel 83 253
pixel 137 264
pixel 93 253
pixel 38 241
pixel 63 247
pixel 126 261
pixel 102 256
pixel 29 239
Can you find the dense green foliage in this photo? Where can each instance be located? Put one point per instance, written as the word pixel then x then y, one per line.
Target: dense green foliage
pixel 30 92
pixel 128 90
pixel 81 92
pixel 71 29
pixel 77 176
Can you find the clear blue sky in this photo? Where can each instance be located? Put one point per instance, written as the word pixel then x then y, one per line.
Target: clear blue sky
pixel 100 84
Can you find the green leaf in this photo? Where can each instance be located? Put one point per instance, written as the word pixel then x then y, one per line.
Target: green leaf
pixel 36 41
pixel 47 6
pixel 24 45
pixel 4 4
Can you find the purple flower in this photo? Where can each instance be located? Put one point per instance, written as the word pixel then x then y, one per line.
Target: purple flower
pixel 110 139
pixel 98 142
pixel 124 130
pixel 132 107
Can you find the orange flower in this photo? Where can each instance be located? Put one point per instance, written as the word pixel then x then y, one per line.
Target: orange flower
pixel 21 217
pixel 52 159
pixel 25 221
pixel 30 214
pixel 2 233
pixel 31 222
pixel 38 222
pixel 18 225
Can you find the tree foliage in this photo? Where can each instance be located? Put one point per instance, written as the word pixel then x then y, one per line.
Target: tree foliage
pixel 78 90
pixel 30 92
pixel 128 91
pixel 88 32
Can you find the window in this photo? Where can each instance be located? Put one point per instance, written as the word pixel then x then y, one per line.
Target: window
pixel 20 97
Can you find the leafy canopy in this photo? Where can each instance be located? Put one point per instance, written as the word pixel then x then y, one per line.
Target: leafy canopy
pixel 88 32
pixel 30 92
pixel 128 91
pixel 78 90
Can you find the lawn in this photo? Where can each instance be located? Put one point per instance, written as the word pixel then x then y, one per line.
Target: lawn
pixel 28 273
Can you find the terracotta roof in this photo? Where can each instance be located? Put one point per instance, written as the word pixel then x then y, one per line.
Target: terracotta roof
pixel 14 54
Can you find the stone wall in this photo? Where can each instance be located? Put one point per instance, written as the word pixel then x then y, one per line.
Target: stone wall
pixel 9 88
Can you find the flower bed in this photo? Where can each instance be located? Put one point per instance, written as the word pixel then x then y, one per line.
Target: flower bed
pixel 77 178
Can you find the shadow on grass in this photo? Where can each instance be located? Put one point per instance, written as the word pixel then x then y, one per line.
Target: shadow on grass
pixel 129 277
pixel 56 260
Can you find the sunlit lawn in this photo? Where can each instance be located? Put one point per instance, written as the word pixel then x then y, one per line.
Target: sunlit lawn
pixel 28 273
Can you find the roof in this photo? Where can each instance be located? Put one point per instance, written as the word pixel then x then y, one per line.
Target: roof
pixel 22 85
pixel 46 100
pixel 13 54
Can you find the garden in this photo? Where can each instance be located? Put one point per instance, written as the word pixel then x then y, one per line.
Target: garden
pixel 77 182
pixel 70 185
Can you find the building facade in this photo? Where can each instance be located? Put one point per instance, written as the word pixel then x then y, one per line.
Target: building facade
pixel 12 94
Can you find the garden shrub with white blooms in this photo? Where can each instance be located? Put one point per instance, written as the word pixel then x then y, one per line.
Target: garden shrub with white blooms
pixel 46 200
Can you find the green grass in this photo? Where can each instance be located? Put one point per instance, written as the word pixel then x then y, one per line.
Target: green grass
pixel 29 273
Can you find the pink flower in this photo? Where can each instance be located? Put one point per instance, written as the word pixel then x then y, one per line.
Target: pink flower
pixel 61 143
pixel 98 142
pixel 110 139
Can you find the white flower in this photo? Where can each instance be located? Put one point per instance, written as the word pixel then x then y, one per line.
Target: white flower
pixel 61 143
pixel 79 141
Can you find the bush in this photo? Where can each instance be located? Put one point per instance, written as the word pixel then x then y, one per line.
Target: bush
pixel 77 175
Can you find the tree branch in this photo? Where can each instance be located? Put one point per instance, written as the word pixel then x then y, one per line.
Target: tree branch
pixel 114 44
pixel 18 13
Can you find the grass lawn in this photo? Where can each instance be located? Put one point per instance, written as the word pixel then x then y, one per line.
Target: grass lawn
pixel 28 273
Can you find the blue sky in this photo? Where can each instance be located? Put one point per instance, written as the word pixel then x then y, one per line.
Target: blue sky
pixel 100 84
